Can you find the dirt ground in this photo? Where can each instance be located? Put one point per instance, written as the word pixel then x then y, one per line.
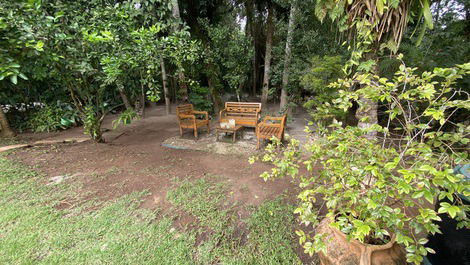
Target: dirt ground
pixel 133 159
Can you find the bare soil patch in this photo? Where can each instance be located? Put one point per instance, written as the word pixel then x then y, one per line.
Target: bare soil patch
pixel 133 159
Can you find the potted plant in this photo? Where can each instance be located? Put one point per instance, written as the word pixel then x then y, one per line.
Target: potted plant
pixel 374 200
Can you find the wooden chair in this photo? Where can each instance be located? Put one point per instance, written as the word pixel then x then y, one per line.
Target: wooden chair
pixel 271 126
pixel 246 114
pixel 187 119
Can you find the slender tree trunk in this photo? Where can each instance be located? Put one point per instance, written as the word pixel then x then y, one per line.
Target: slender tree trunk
pixel 123 95
pixel 255 75
pixel 251 29
pixel 267 57
pixel 213 82
pixel 165 87
pixel 5 130
pixel 142 101
pixel 183 86
pixel 239 91
pixel 175 11
pixel 287 57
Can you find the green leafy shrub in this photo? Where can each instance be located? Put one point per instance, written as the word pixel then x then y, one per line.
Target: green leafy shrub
pixel 324 70
pixel 370 187
pixel 53 118
pixel 92 123
pixel 125 118
pixel 199 97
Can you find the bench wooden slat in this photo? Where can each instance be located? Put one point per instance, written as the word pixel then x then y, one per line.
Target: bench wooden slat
pixel 266 130
pixel 244 113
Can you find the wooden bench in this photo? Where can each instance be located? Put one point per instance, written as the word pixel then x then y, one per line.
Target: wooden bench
pixel 246 114
pixel 187 119
pixel 271 126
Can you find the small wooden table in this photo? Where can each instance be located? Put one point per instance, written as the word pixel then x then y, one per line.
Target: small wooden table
pixel 234 130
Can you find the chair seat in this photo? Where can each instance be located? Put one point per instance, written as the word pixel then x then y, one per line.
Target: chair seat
pixel 268 131
pixel 189 123
pixel 271 126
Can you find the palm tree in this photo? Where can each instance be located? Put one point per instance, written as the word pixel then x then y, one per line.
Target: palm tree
pixel 372 25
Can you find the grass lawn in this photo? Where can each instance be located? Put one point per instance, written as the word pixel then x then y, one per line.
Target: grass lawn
pixel 34 231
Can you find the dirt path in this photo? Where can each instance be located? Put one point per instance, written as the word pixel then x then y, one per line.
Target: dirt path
pixel 132 159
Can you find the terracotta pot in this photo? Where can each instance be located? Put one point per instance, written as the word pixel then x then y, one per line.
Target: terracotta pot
pixel 340 251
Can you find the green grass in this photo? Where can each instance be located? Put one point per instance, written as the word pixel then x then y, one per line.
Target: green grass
pixel 33 231
pixel 270 239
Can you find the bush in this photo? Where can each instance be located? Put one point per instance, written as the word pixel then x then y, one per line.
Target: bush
pixel 324 70
pixel 370 188
pixel 54 117
pixel 199 97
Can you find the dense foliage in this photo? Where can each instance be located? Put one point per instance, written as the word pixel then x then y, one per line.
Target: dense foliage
pixel 373 190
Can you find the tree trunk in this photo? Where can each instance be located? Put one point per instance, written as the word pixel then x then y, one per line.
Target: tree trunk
pixel 213 82
pixel 183 85
pixel 288 53
pixel 142 101
pixel 5 130
pixel 175 11
pixel 267 57
pixel 250 23
pixel 165 87
pixel 367 115
pixel 124 98
pixel 367 111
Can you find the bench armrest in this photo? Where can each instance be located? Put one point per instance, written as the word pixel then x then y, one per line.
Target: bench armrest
pixel 202 112
pixel 258 116
pixel 263 124
pixel 186 116
pixel 270 118
pixel 221 114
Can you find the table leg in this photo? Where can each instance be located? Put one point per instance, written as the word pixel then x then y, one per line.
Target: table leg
pixel 234 136
pixel 217 135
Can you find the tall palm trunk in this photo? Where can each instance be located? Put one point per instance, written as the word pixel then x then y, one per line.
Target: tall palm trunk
pixel 165 87
pixel 267 57
pixel 367 112
pixel 5 130
pixel 287 57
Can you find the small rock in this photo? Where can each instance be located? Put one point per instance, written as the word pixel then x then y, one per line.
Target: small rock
pixel 56 180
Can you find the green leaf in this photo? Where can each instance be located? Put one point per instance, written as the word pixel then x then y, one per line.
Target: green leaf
pixel 23 76
pixel 427 14
pixel 380 6
pixel 14 79
pixel 428 196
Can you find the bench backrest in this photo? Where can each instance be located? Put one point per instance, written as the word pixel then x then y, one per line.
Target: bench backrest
pixel 243 107
pixel 186 109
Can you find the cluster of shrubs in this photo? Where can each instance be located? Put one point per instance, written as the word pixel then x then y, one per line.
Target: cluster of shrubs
pixel 40 117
